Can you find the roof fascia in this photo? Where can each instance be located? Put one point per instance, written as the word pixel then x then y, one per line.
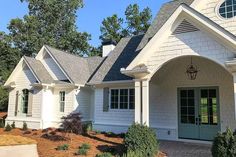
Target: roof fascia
pixel 168 27
pixel 17 68
pixel 58 64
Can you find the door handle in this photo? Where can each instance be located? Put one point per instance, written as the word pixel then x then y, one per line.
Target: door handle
pixel 199 120
pixel 196 121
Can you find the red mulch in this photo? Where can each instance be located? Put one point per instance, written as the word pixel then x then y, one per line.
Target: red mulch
pixel 99 143
pixel 3 115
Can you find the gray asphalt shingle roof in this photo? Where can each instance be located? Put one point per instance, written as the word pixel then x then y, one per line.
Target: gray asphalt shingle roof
pixel 128 48
pixel 39 70
pixel 78 69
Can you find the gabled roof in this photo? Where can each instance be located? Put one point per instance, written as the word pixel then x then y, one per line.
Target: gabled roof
pixel 128 48
pixel 161 17
pixel 79 69
pixel 38 69
pixel 121 56
pixel 201 21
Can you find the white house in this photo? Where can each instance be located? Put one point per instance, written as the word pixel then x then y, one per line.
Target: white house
pixel 179 78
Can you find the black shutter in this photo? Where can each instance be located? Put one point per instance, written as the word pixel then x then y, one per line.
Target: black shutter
pixel 16 101
pixel 105 99
pixel 30 103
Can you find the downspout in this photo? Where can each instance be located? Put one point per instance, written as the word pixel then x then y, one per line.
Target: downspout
pixel 141 102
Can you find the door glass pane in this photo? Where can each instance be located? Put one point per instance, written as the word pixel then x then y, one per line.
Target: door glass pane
pixel 204 111
pixel 208 107
pixel 187 106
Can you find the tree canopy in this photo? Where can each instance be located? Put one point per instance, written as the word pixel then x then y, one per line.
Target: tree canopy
pixel 49 22
pixel 136 22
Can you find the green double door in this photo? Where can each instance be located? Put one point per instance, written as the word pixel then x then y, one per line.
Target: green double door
pixel 198 112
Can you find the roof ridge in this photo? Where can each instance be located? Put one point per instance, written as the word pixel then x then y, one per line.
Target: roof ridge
pixel 75 55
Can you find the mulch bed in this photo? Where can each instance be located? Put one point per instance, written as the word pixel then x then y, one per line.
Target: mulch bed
pixel 48 140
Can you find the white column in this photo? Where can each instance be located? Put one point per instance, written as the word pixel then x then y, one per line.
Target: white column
pixel 234 76
pixel 145 102
pixel 137 114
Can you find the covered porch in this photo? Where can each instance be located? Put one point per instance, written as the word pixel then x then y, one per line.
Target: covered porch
pixel 180 108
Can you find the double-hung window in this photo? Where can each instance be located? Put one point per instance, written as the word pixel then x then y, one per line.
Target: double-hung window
pixel 122 98
pixel 25 97
pixel 62 100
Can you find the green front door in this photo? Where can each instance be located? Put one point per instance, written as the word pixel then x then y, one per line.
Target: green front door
pixel 198 113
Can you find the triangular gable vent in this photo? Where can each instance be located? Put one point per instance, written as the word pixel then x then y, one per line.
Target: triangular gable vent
pixel 185 27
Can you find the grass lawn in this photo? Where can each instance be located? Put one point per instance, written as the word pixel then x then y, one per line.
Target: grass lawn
pixel 48 140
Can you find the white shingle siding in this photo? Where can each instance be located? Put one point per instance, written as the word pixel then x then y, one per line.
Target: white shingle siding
pixel 163 94
pixel 53 68
pixel 210 10
pixel 112 117
pixel 193 43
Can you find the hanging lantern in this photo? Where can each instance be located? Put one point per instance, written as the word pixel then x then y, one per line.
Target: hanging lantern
pixel 192 71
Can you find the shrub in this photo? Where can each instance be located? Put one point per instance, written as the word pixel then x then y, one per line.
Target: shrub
pixel 53 137
pixel 13 126
pixel 85 146
pixel 8 127
pixel 224 144
pixel 2 125
pixel 133 154
pixel 63 147
pixel 72 123
pixel 25 127
pixel 142 140
pixel 106 154
pixel 86 126
pixel 82 151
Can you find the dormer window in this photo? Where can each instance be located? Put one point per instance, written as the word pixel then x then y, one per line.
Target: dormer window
pixel 228 9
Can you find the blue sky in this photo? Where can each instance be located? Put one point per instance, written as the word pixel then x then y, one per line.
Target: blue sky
pixel 89 17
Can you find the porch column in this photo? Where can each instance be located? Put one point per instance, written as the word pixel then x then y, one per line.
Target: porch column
pixel 234 76
pixel 145 102
pixel 137 114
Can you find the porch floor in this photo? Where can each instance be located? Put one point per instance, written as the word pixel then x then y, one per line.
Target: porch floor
pixel 183 149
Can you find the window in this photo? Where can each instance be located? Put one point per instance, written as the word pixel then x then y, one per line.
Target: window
pixel 25 97
pixel 228 9
pixel 62 100
pixel 122 99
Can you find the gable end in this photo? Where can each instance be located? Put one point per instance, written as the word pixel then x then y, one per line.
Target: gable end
pixel 185 27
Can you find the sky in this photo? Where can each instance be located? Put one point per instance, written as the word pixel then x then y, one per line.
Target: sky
pixel 89 18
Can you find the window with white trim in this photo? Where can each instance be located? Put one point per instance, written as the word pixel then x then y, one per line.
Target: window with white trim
pixel 122 98
pixel 228 9
pixel 24 101
pixel 62 100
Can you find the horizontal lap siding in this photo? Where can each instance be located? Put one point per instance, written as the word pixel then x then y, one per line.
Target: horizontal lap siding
pixel 84 102
pixel 113 117
pixel 23 80
pixel 69 103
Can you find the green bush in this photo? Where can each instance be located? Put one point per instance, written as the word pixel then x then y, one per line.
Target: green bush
pixel 142 140
pixel 82 151
pixel 25 127
pixel 85 146
pixel 224 144
pixel 132 154
pixel 8 127
pixel 13 126
pixel 63 147
pixel 104 155
pixel 2 125
pixel 87 126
